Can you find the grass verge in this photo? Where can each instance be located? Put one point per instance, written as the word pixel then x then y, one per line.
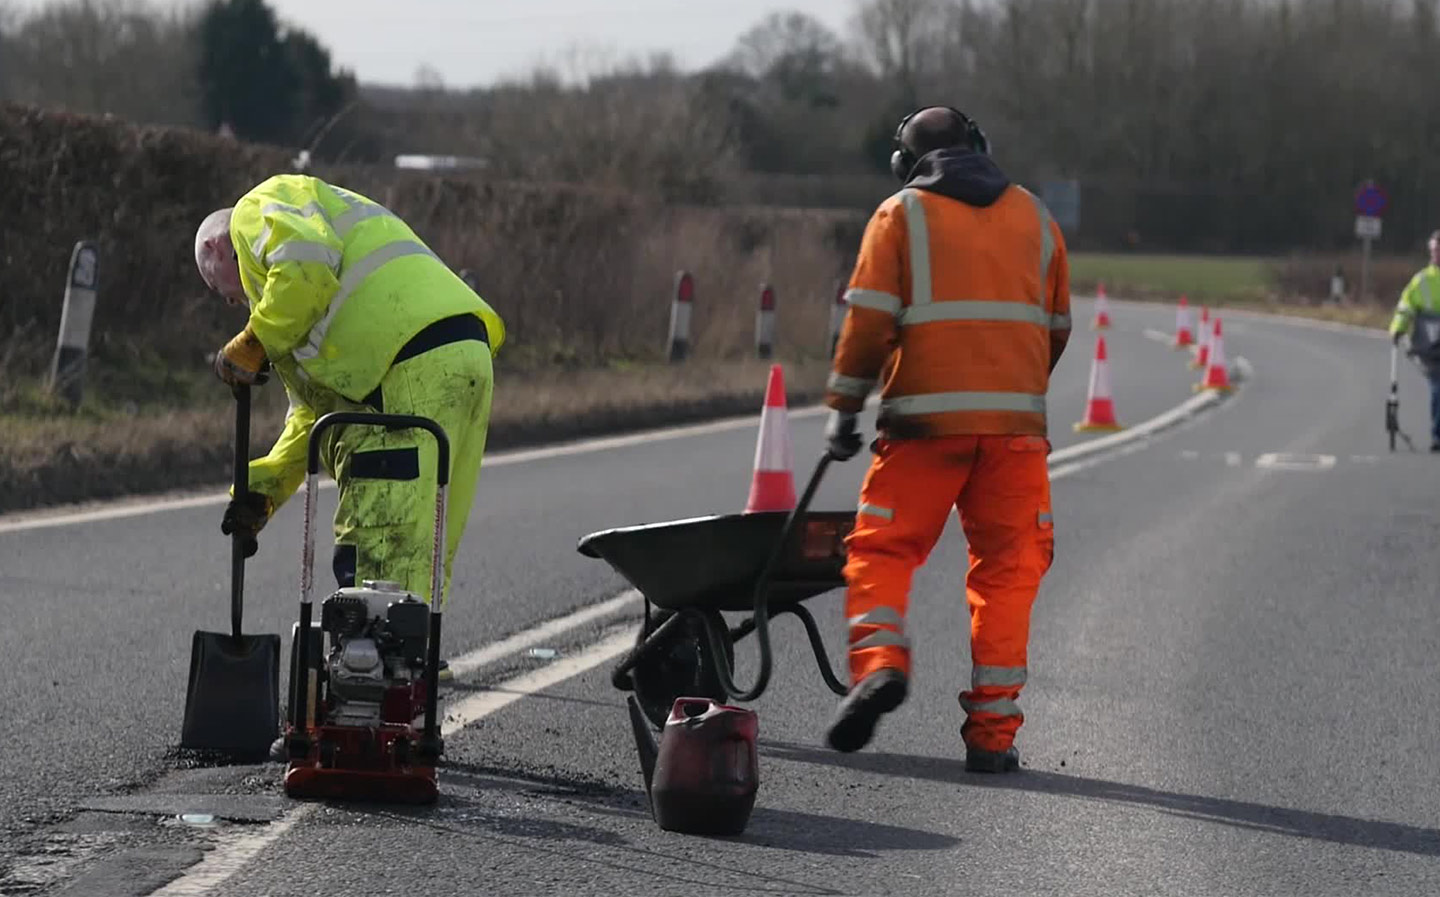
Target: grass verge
pixel 1296 287
pixel 1210 279
pixel 105 452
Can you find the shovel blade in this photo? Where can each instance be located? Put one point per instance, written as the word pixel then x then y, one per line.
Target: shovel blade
pixel 232 704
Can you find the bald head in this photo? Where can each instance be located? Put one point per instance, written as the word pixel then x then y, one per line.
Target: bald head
pixel 934 129
pixel 215 256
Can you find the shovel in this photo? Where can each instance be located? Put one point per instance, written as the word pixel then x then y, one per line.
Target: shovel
pixel 233 702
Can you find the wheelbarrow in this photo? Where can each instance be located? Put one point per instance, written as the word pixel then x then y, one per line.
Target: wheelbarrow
pixel 691 572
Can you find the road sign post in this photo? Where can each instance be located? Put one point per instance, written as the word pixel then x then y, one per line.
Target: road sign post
pixel 1370 204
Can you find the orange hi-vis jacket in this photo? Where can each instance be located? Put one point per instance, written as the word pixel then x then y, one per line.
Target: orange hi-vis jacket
pixel 952 306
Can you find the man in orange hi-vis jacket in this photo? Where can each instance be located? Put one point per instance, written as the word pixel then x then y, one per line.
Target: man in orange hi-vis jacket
pixel 959 307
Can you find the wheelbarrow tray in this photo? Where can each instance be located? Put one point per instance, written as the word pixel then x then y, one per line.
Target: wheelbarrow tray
pixel 715 562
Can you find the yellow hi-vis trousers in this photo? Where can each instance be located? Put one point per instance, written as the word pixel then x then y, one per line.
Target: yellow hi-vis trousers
pixel 385 518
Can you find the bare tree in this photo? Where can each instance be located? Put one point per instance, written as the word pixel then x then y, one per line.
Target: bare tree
pixel 785 42
pixel 125 57
pixel 899 38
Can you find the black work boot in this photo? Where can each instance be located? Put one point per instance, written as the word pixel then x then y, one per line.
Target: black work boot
pixel 854 724
pixel 978 760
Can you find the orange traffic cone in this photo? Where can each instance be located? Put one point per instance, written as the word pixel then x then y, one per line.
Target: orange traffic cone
pixel 1183 337
pixel 1202 348
pixel 1100 409
pixel 1217 373
pixel 772 488
pixel 1102 309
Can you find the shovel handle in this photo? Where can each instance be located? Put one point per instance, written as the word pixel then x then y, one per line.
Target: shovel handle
pixel 242 486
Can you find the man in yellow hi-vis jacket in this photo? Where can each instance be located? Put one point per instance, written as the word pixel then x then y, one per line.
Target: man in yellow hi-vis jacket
pixel 354 313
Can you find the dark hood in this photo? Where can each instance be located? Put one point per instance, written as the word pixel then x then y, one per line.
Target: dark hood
pixel 973 178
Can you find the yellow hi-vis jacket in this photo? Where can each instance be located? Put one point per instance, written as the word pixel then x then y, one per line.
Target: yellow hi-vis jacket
pixel 1420 296
pixel 337 284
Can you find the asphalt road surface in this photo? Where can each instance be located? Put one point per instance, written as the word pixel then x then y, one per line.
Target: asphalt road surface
pixel 1231 675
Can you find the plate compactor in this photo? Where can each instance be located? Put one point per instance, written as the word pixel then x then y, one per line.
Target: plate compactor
pixel 369 671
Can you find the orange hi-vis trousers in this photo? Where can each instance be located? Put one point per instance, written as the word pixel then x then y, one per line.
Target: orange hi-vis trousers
pixel 1001 487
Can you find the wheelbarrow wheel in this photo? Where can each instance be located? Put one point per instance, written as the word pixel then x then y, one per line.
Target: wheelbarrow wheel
pixel 683 668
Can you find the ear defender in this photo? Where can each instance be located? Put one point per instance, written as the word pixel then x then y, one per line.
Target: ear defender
pixel 902 160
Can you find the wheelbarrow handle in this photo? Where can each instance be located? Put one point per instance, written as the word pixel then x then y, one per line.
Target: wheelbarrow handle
pixel 761 612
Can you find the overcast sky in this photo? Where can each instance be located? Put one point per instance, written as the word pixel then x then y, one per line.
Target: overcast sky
pixel 472 42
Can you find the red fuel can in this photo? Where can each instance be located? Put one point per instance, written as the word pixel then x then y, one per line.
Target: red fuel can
pixel 707 772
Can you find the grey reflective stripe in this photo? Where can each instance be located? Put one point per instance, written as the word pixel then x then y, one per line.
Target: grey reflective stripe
pixel 356 214
pixel 1003 677
pixel 1059 322
pixel 881 638
pixel 857 387
pixel 876 299
pixel 350 281
pixel 878 616
pixel 877 511
pixel 1425 291
pixel 303 251
pixel 1045 518
pixel 941 402
pixel 1047 240
pixel 974 310
pixel 1002 707
pixel 257 248
pixel 305 211
pixel 920 283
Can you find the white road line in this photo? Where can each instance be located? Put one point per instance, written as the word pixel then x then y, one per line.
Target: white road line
pixel 480 705
pixel 44 519
pixel 1287 461
pixel 481 657
pixel 1232 459
pixel 227 858
pixel 1158 336
pixel 230 856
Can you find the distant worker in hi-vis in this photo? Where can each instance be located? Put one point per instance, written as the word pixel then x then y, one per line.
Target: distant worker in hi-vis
pixel 1417 313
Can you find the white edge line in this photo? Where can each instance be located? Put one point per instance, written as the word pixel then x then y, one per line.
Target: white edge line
pixel 31 520
pixel 20 521
pixel 1155 424
pixel 478 706
pixel 225 860
pixel 474 660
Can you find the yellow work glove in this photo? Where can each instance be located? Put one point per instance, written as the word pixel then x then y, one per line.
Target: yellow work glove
pixel 242 360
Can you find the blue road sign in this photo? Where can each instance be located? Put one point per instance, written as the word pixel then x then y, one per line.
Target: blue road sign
pixel 1370 200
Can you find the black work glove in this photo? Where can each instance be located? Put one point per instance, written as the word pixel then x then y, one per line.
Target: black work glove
pixel 842 436
pixel 246 516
